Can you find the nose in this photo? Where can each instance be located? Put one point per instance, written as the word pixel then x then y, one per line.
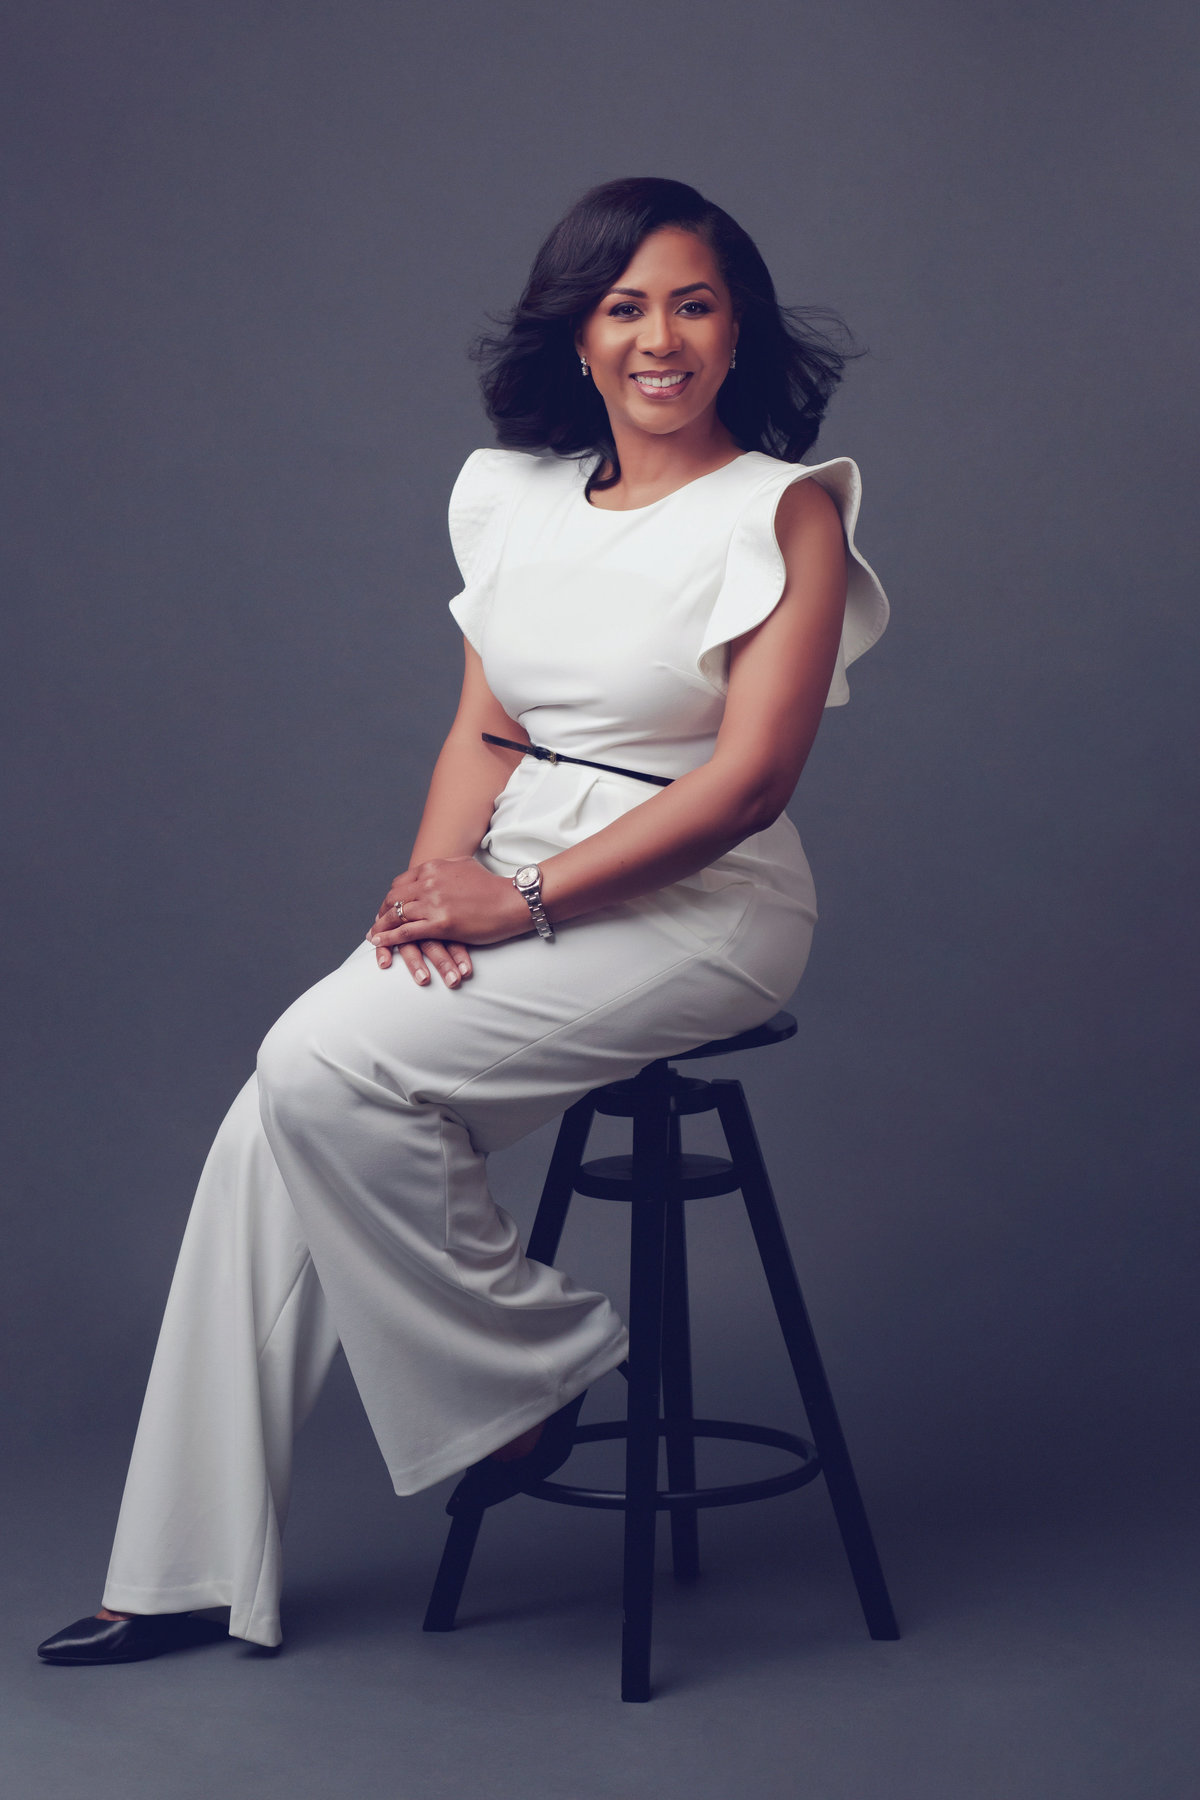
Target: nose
pixel 659 335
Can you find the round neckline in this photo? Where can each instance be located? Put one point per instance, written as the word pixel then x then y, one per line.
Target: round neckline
pixel 625 512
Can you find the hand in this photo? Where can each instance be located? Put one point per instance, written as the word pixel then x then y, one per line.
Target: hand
pixel 452 961
pixel 447 903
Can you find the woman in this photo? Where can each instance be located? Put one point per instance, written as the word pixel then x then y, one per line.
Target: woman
pixel 661 593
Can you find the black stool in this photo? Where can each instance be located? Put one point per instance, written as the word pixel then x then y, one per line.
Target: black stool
pixel 657 1179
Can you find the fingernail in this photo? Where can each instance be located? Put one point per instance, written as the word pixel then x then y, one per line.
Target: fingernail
pixel 465 967
pixel 422 975
pixel 451 978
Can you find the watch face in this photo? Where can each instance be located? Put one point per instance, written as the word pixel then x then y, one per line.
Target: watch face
pixel 527 877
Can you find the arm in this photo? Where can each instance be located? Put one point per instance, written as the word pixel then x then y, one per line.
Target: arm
pixel 467 777
pixel 778 681
pixel 779 676
pixel 468 774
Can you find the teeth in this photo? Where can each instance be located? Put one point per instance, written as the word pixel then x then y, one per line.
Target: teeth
pixel 659 381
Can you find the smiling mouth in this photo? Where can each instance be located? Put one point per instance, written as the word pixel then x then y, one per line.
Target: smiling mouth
pixel 664 385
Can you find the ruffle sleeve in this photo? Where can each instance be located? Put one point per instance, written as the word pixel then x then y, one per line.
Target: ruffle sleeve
pixel 481 502
pixel 755 575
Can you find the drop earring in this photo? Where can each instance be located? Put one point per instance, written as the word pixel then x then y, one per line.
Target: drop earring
pixel 733 358
pixel 583 367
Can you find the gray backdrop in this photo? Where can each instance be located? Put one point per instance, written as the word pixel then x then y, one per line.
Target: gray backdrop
pixel 250 243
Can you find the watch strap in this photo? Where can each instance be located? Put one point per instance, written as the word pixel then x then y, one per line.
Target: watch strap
pixel 532 897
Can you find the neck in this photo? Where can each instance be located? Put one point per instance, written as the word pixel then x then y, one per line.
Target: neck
pixel 654 463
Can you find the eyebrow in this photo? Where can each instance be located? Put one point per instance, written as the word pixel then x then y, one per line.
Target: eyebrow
pixel 675 294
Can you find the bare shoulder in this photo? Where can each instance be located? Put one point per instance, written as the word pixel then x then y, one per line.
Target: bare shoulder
pixel 805 512
pixel 808 530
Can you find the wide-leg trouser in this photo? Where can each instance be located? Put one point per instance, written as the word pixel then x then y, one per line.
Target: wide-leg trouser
pixel 345 1199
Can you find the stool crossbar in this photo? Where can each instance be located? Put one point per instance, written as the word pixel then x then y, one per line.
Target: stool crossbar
pixel 656 1181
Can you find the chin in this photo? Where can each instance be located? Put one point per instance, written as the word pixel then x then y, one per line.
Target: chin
pixel 662 420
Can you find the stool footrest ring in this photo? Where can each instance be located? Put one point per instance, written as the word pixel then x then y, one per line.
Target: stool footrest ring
pixel 729 1494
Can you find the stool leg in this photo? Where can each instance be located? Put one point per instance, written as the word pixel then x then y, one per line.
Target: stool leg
pixel 677 1380
pixel 559 1184
pixel 647 1230
pixel 452 1572
pixel 810 1374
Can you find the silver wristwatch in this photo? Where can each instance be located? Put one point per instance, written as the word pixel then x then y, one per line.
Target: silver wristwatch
pixel 528 883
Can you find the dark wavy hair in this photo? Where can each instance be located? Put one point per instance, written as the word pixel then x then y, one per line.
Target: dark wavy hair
pixel 789 360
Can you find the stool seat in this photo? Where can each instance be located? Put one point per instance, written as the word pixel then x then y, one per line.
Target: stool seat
pixel 655 1179
pixel 779 1026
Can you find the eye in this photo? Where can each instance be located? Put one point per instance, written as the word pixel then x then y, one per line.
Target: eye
pixel 622 309
pixel 694 307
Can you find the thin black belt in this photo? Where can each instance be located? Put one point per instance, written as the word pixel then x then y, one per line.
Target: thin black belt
pixel 557 756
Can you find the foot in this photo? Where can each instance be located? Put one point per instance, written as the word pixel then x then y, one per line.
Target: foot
pixel 515 1469
pixel 108 1637
pixel 520 1446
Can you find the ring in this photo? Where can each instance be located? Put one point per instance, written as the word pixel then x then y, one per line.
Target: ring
pixel 398 909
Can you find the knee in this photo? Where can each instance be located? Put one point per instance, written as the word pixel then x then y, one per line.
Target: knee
pixel 297 1082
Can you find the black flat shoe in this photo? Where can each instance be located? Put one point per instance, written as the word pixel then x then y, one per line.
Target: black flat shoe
pixel 128 1640
pixel 487 1482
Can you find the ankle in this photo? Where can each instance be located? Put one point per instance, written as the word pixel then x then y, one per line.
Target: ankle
pixel 520 1446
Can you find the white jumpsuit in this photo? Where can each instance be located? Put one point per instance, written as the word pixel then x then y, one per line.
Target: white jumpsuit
pixel 345 1197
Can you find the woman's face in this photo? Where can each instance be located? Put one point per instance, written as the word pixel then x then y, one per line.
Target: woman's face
pixel 660 340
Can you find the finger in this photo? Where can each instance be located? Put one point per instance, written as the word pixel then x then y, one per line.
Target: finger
pixel 383 956
pixel 387 912
pixel 462 957
pixel 441 959
pixel 395 935
pixel 413 961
